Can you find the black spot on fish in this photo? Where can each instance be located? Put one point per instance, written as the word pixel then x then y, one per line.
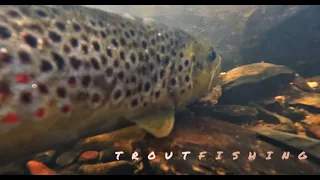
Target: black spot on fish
pixel 96 46
pixel 58 60
pixel 121 75
pixel 41 13
pixel 84 49
pixel 75 63
pixel 132 32
pixel 187 78
pixel 122 55
pixel 31 40
pixel 24 57
pixel 109 71
pixel 13 14
pixel 117 94
pixel 61 92
pixel 133 58
pixel 55 37
pixel 134 102
pixel 61 26
pixel 95 63
pixel 103 34
pixel 46 66
pixel 114 42
pixel 157 94
pixel 43 89
pixel 76 27
pixel 103 59
pixel 123 42
pixel 26 97
pixel 147 87
pixel 74 42
pixel 86 81
pixel 109 52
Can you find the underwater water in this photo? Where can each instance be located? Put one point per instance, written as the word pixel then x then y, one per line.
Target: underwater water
pixel 160 89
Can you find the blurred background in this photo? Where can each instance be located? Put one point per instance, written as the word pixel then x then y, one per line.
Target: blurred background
pixel 242 34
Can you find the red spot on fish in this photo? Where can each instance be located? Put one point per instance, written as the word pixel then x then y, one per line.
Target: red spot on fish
pixel 23 78
pixel 73 85
pixel 96 98
pixel 10 118
pixel 40 112
pixel 65 108
pixel 72 82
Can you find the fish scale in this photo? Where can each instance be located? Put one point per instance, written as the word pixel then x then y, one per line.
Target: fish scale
pixel 67 69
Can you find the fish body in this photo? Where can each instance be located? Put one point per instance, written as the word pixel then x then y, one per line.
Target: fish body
pixel 70 71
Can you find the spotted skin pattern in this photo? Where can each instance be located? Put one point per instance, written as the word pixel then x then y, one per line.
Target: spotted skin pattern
pixel 71 67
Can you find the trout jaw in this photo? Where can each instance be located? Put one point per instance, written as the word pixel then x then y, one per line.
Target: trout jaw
pixel 204 80
pixel 215 73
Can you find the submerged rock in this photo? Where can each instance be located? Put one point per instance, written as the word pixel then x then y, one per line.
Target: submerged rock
pixel 306 99
pixel 70 170
pixel 254 81
pixel 45 157
pixel 38 168
pixel 231 113
pixel 313 131
pixel 285 125
pixel 111 168
pixel 108 155
pixel 89 156
pixel 309 145
pixel 68 157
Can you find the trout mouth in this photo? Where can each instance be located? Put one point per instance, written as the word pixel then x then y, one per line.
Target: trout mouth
pixel 215 72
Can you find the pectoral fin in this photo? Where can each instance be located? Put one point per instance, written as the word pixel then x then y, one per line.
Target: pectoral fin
pixel 159 123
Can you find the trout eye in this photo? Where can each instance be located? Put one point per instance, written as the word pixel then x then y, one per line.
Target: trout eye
pixel 212 55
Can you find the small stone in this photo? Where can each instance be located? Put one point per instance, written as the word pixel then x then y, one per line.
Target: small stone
pixel 300 129
pixel 38 168
pixel 260 122
pixel 111 168
pixel 108 155
pixel 306 99
pixel 237 114
pixel 89 156
pixel 70 170
pixel 314 131
pixel 280 99
pixel 45 157
pixel 253 82
pixel 289 128
pixel 68 157
pixel 13 168
pixel 313 84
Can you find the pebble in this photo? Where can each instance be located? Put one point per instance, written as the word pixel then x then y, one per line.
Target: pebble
pixel 314 131
pixel 70 170
pixel 13 168
pixel 260 122
pixel 289 128
pixel 89 156
pixel 313 84
pixel 38 168
pixel 68 157
pixel 45 157
pixel 120 167
pixel 300 129
pixel 108 155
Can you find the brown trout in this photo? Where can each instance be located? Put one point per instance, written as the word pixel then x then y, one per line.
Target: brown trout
pixel 67 72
